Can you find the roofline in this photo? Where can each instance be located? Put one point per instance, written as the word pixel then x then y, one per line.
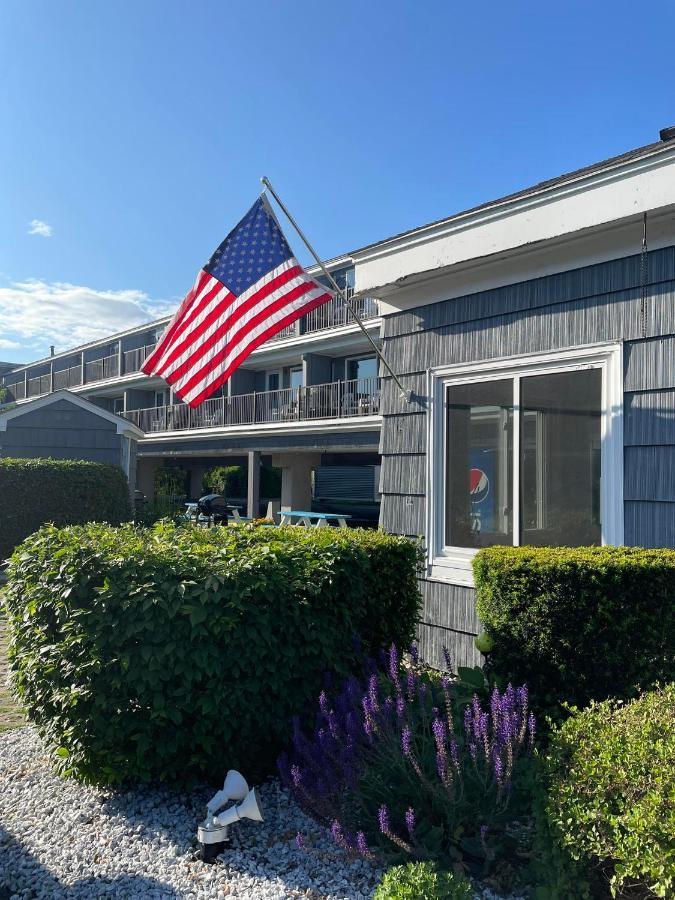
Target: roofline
pixel 124 426
pixel 542 187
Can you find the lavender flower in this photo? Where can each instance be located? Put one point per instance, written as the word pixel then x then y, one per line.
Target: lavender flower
pixel 414 652
pixel 406 741
pixel 438 729
pixel 410 821
pixel 299 841
pixel 338 835
pixel 411 682
pixel 400 706
pixel 323 703
pixel 383 819
pixel 447 657
pixel 372 693
pixel 361 845
pixel 531 728
pixel 296 775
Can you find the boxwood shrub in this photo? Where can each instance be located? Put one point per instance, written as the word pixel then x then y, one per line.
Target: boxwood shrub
pixel 178 652
pixel 578 623
pixel 611 784
pixel 62 491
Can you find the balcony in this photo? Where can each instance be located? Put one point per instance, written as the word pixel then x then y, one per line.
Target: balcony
pixel 332 314
pixel 100 369
pixel 67 378
pixel 335 400
pixel 134 359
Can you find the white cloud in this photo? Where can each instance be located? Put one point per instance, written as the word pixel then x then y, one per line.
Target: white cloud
pixel 35 314
pixel 6 344
pixel 41 228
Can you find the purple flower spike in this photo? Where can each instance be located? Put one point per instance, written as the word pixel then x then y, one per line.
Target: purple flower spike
pixel 411 682
pixel 406 739
pixel 414 652
pixel 441 766
pixel 299 841
pixel 323 703
pixel 445 683
pixel 531 726
pixel 296 775
pixel 400 706
pixel 438 729
pixel 499 768
pixel 372 693
pixel 454 753
pixel 383 819
pixel 361 844
pixel 393 662
pixel 410 821
pixel 447 658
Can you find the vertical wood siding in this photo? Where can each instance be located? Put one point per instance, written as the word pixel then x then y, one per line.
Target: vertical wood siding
pixel 569 309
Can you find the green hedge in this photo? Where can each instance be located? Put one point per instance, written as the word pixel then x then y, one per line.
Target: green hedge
pixel 578 624
pixel 611 784
pixel 179 652
pixel 66 492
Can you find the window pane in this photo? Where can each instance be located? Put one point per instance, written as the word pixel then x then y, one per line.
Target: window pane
pixel 362 368
pixel 296 378
pixel 560 459
pixel 479 464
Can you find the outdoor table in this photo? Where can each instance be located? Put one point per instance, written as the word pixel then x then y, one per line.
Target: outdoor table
pixel 302 517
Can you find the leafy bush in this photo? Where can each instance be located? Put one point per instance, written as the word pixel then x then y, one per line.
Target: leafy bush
pixel 611 784
pixel 422 881
pixel 170 481
pixel 177 652
pixel 63 491
pixel 394 768
pixel 578 624
pixel 230 481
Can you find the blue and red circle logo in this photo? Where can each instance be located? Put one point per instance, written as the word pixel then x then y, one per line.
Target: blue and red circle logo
pixel 479 485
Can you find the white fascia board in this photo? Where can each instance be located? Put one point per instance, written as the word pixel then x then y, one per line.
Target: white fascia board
pixel 619 192
pixel 315 426
pixel 124 426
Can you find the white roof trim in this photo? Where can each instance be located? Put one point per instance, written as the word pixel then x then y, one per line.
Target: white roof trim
pixel 123 425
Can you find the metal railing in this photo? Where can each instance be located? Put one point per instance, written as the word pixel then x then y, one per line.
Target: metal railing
pixel 98 369
pixel 134 359
pixel 335 400
pixel 67 378
pixel 16 391
pixel 331 315
pixel 39 385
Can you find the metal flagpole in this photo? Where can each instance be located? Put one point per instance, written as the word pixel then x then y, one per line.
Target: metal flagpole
pixel 405 395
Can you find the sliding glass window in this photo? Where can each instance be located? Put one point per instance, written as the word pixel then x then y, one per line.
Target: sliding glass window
pixel 555 478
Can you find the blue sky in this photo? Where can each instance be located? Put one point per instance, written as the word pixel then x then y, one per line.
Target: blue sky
pixel 134 134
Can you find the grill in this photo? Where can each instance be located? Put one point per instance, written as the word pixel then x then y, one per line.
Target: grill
pixel 213 506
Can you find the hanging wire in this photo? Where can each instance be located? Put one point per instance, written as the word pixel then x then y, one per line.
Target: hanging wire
pixel 643 278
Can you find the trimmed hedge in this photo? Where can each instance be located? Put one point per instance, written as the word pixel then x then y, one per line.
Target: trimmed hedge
pixel 62 491
pixel 178 652
pixel 580 623
pixel 611 784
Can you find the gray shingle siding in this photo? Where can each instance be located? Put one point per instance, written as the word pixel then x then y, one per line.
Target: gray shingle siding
pixel 569 309
pixel 62 430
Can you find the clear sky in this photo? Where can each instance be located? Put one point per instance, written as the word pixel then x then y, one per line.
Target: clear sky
pixel 133 134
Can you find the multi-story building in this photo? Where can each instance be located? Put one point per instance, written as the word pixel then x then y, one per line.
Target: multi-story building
pixel 307 400
pixel 535 336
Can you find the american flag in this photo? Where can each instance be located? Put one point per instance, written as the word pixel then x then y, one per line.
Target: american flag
pixel 250 289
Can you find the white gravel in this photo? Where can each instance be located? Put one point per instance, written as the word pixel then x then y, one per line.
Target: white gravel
pixel 60 839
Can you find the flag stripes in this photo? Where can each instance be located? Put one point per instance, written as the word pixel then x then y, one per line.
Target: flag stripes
pixel 251 289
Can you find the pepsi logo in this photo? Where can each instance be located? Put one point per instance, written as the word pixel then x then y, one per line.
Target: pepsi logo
pixel 479 485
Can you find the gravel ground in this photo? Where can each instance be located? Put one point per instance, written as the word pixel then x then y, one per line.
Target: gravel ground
pixel 60 839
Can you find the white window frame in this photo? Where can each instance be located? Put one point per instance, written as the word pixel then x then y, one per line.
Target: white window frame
pixel 453 564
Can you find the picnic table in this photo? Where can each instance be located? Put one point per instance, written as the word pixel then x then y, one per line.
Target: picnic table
pixel 321 519
pixel 192 512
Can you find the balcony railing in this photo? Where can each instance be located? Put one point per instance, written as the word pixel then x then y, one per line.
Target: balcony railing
pixel 67 378
pixel 331 315
pixel 336 400
pixel 134 359
pixel 16 391
pixel 39 385
pixel 98 369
